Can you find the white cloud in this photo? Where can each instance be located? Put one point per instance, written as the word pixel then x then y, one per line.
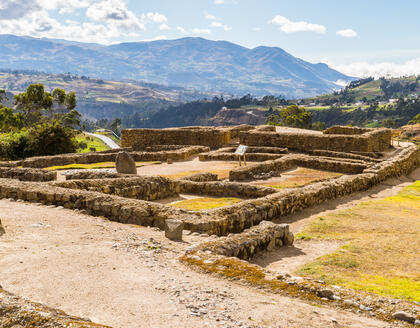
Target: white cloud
pixel 164 27
pixel 64 6
pixel 159 37
pixel 288 26
pixel 219 2
pixel 347 33
pixel 13 9
pixel 220 25
pixel 211 17
pixel 257 29
pixel 201 31
pixel 364 69
pixel 155 17
pixel 115 13
pixel 181 29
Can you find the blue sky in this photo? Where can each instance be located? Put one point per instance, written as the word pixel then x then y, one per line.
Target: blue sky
pixel 368 37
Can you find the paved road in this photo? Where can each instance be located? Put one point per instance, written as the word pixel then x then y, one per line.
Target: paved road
pixel 111 143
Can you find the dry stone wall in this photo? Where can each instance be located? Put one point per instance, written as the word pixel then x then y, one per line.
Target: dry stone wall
pixel 140 187
pixel 262 237
pixel 375 140
pixel 340 129
pixel 140 139
pixel 27 174
pixel 110 156
pixel 224 189
pixel 290 161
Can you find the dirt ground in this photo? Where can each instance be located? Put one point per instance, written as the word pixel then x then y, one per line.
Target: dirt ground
pixel 130 276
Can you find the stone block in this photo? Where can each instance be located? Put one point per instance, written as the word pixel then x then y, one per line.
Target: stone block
pixel 173 230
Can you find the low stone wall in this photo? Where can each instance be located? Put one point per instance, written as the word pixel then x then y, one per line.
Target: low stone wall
pixel 10 163
pixel 140 187
pixel 375 140
pixel 140 139
pixel 340 129
pixel 290 161
pixel 89 174
pixel 27 174
pixel 110 156
pixel 253 157
pixel 262 237
pixel 337 154
pixel 224 189
pixel 181 154
pixel 234 130
pixel 201 177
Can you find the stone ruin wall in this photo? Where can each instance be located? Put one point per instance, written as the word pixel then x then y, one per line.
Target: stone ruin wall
pixel 182 153
pixel 221 221
pixel 348 130
pixel 376 140
pixel 140 139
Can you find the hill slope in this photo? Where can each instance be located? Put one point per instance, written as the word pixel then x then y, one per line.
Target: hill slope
pixel 98 98
pixel 191 62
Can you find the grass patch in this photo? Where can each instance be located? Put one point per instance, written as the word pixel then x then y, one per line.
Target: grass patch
pixel 101 165
pixel 91 143
pixel 381 253
pixel 205 203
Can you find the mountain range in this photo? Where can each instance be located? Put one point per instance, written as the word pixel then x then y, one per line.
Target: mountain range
pixel 205 65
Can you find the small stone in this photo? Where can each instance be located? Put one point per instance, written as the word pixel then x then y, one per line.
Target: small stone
pixel 173 229
pixel 417 322
pixel 327 293
pixel 336 298
pixel 204 235
pixel 195 234
pixel 365 308
pixel 169 161
pixel 403 316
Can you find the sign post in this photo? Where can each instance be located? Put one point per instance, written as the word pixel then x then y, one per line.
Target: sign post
pixel 240 151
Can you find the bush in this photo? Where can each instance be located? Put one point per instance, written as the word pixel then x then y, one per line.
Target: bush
pixel 50 139
pixel 40 140
pixel 13 145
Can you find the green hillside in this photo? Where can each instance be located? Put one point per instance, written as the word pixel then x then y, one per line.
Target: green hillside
pixel 368 90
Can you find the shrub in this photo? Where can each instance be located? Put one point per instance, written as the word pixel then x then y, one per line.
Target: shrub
pixel 13 145
pixel 50 139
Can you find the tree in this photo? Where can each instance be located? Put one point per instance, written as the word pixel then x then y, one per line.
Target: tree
pixel 10 121
pixel 296 116
pixel 38 106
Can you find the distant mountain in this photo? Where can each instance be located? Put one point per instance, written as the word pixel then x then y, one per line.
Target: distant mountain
pixel 216 66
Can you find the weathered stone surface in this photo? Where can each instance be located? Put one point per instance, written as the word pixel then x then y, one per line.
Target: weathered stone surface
pixel 173 230
pixel 125 164
pixel 404 317
pixel 201 177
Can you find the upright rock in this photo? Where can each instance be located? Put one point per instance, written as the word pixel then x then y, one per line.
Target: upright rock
pixel 125 164
pixel 173 229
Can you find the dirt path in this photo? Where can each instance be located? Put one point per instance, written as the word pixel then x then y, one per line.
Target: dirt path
pixel 129 276
pixel 287 260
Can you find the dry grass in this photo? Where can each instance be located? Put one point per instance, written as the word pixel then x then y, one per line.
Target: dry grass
pixel 382 250
pixel 301 177
pixel 101 165
pixel 205 203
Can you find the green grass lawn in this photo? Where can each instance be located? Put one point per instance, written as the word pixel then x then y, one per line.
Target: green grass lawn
pixel 381 250
pixel 91 142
